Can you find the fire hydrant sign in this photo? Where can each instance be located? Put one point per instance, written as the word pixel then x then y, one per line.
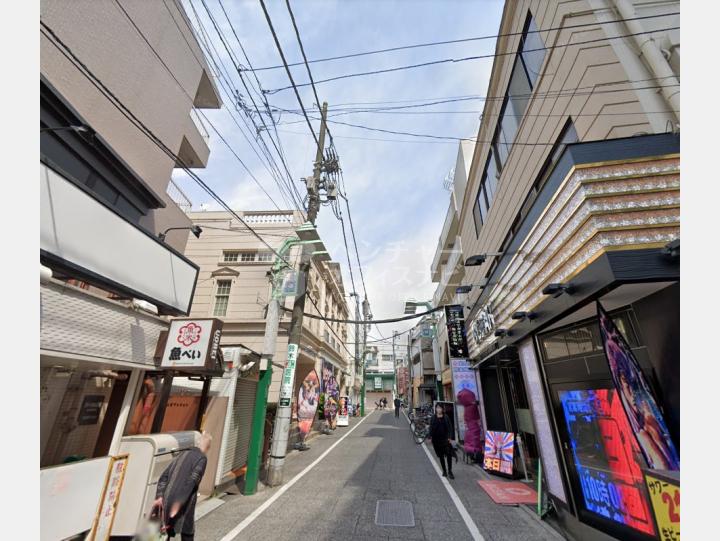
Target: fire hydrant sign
pixel 664 493
pixel 192 343
pixel 288 376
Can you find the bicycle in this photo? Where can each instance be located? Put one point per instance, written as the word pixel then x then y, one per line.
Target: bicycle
pixel 420 428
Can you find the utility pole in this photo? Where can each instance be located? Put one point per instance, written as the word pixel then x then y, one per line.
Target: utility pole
pixel 394 363
pixel 357 333
pixel 366 317
pixel 281 430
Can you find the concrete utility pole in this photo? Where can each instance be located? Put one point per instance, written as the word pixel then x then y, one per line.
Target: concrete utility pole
pixel 281 430
pixel 366 317
pixel 395 382
pixel 357 331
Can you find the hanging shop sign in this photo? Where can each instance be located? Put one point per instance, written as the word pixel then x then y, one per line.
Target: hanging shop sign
pixel 643 412
pixel 288 376
pixel 342 415
pixel 483 324
pixel 111 496
pixel 308 399
pixel 466 398
pixel 499 452
pixel 606 458
pixel 664 490
pixel 192 344
pixel 457 342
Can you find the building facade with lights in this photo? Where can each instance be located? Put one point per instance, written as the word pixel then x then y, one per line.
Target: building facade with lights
pixel 571 202
pixel 108 283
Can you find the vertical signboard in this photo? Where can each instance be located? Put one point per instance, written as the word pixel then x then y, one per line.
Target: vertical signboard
pixel 308 399
pixel 192 344
pixel 288 376
pixel 467 399
pixel 108 503
pixel 499 452
pixel 643 413
pixel 342 418
pixel 457 343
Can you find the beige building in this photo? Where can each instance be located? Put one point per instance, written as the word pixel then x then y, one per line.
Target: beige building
pixel 107 281
pixel 234 286
pixel 569 200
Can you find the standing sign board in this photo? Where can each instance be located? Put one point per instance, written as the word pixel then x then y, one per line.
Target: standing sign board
pixel 499 451
pixel 457 343
pixel 192 344
pixel 664 490
pixel 467 399
pixel 342 417
pixel 110 498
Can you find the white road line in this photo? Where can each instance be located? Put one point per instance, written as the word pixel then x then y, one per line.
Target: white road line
pixel 232 534
pixel 467 519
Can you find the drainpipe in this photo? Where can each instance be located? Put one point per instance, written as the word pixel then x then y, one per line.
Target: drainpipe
pixel 652 52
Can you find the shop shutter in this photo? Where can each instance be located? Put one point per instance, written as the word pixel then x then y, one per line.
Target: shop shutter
pixel 238 438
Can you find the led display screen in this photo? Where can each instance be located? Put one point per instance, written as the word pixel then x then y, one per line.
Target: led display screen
pixel 607 458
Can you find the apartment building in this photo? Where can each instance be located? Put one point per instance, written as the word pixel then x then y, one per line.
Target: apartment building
pixel 568 203
pixel 234 286
pixel 107 281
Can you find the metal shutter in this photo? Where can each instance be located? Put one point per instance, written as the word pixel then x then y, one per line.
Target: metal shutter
pixel 238 438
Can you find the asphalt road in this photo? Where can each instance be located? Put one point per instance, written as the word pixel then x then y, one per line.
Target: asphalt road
pixel 331 493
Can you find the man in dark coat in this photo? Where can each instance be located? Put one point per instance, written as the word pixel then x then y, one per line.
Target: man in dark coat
pixel 397 406
pixel 177 489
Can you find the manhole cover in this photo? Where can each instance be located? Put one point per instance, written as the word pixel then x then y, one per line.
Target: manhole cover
pixel 394 513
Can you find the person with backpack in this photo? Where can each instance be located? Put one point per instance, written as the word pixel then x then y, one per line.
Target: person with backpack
pixel 440 431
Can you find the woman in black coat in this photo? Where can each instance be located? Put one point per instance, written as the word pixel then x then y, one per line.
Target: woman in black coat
pixel 440 431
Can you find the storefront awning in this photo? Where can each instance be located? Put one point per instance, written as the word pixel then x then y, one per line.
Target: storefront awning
pixel 505 352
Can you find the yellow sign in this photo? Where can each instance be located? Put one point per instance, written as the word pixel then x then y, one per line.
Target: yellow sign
pixel 665 499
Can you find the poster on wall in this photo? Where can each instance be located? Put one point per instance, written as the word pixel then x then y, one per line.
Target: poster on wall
pixel 645 417
pixel 467 399
pixel 664 490
pixel 377 383
pixel 342 415
pixel 308 398
pixel 499 452
pixel 605 456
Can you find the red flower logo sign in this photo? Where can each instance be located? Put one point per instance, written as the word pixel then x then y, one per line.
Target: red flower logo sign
pixel 189 334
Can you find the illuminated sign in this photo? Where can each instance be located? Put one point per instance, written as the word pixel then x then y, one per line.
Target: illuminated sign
pixel 499 451
pixel 483 324
pixel 604 454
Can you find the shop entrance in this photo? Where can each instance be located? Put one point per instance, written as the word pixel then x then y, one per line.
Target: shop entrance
pixel 507 408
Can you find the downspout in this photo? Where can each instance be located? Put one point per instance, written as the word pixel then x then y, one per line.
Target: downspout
pixel 652 52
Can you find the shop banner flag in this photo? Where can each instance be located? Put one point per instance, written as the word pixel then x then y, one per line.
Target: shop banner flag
pixel 342 416
pixel 466 397
pixel 308 399
pixel 642 411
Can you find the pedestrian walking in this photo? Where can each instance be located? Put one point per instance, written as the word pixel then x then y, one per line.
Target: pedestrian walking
pixel 177 488
pixel 397 406
pixel 440 437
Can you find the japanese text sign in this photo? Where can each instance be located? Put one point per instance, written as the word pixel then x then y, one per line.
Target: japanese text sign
pixel 457 342
pixel 665 500
pixel 111 496
pixel 192 343
pixel 286 385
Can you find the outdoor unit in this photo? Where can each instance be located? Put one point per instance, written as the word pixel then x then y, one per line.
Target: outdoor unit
pixel 149 454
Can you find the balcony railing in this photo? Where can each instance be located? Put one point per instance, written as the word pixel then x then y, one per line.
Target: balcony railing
pixel 177 195
pixel 200 125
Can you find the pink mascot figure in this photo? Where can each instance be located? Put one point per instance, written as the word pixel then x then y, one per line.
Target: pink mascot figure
pixel 471 415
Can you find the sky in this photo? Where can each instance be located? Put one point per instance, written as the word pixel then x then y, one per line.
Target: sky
pixel 395 187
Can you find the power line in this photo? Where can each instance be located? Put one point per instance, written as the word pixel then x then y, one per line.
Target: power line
pixel 167 68
pixel 454 138
pixel 292 190
pixel 65 50
pixel 464 40
pixel 468 58
pixel 287 69
pixel 375 321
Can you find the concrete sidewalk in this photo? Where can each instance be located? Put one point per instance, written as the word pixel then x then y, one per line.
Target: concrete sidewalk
pixel 337 498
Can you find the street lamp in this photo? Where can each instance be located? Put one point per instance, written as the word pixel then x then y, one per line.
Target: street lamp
pixel 479 259
pixel 195 229
pixel 461 290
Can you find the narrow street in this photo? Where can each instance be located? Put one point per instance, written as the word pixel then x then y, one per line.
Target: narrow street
pixel 337 497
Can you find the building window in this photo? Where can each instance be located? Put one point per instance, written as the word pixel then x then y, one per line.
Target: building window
pixel 237 256
pixel 247 257
pixel 230 257
pixel 222 296
pixel 532 50
pixel 265 257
